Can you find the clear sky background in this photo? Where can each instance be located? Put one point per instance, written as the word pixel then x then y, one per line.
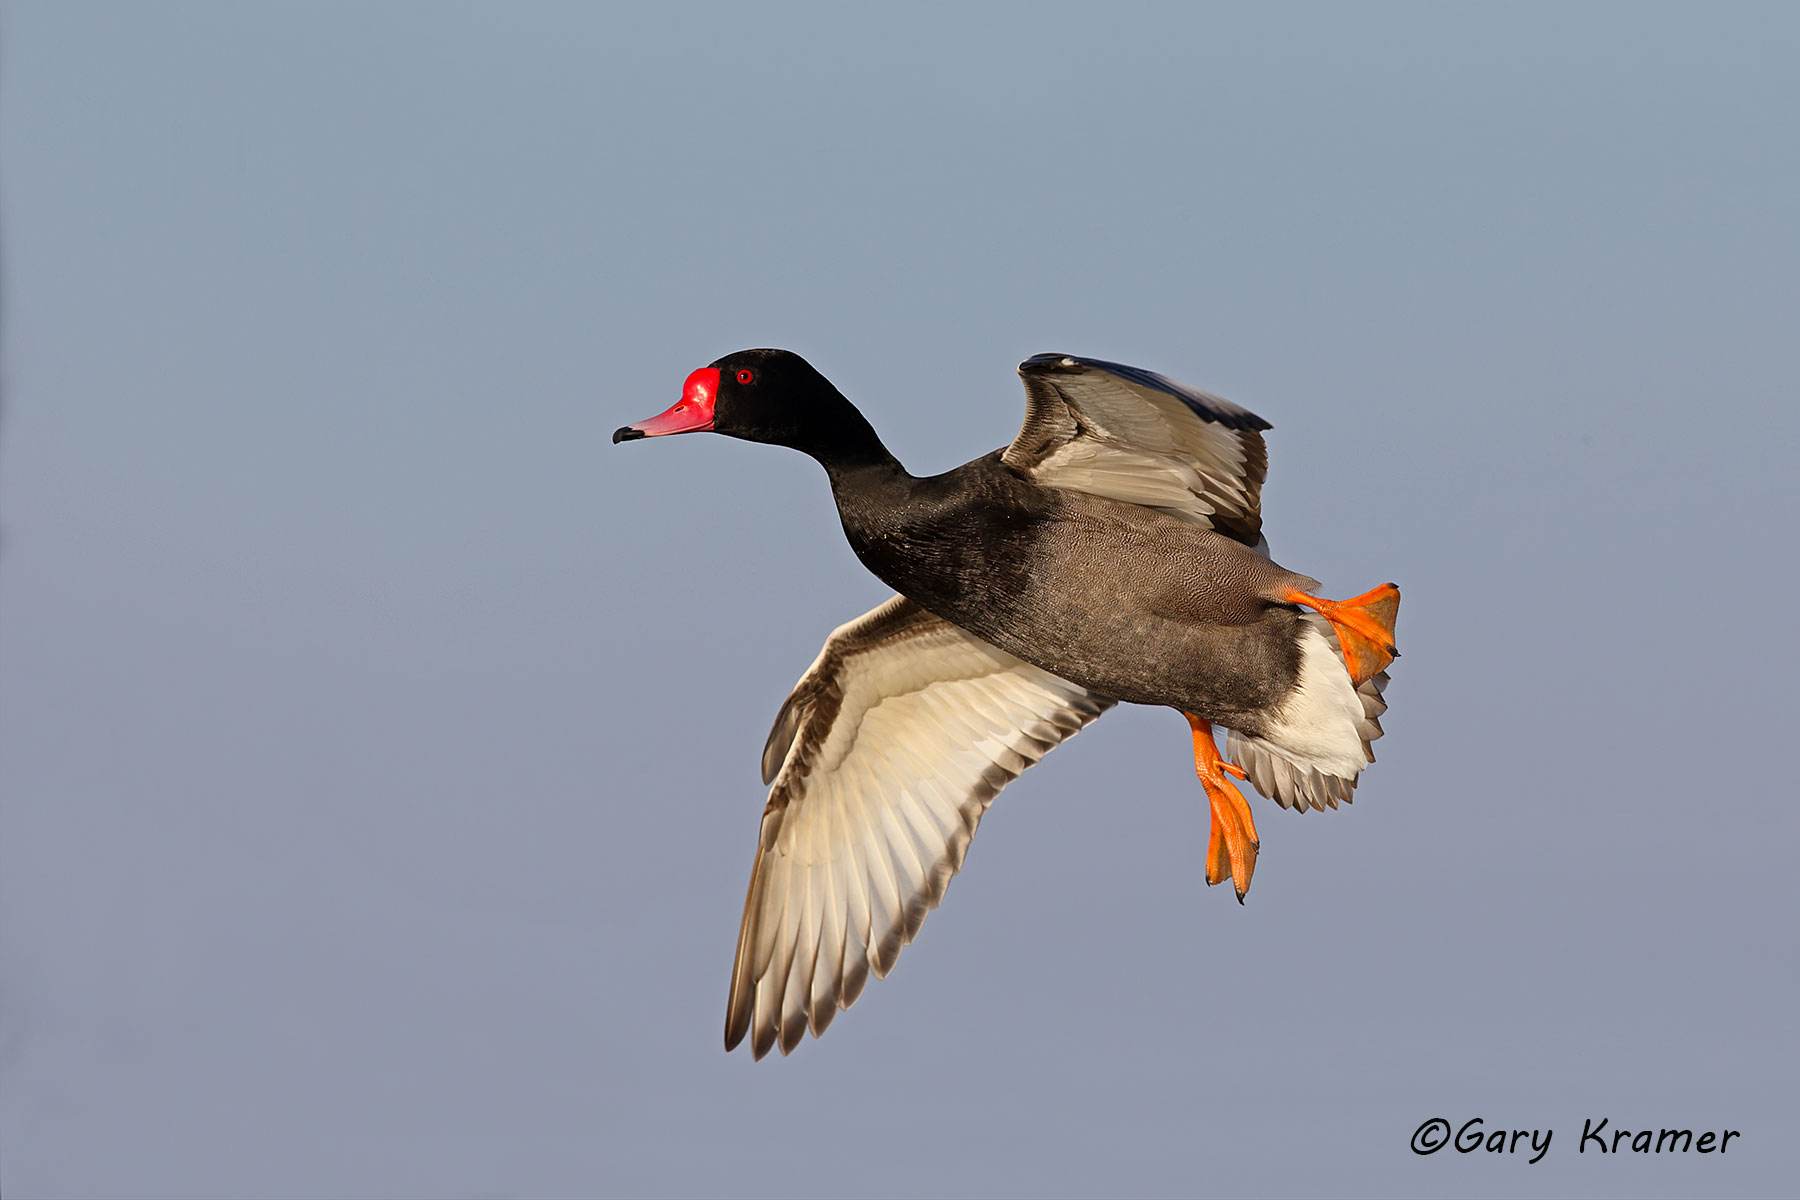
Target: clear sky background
pixel 379 744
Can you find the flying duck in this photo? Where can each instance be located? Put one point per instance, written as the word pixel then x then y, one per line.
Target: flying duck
pixel 1113 552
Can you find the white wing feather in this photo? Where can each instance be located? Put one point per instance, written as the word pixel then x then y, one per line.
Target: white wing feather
pixel 883 760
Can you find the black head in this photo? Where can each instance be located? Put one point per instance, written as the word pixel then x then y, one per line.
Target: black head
pixel 770 396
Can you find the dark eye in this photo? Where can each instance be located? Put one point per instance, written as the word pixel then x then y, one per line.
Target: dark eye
pixel 746 376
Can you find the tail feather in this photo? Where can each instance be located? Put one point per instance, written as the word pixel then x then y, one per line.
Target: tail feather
pixel 1369 692
pixel 1290 764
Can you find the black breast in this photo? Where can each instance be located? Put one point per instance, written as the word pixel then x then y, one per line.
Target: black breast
pixel 955 543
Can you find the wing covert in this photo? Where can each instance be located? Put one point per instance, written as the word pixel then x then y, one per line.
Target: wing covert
pixel 1118 431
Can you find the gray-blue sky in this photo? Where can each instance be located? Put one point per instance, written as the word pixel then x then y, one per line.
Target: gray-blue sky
pixel 379 744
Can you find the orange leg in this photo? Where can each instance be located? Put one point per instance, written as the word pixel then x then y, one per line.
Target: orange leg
pixel 1364 625
pixel 1233 846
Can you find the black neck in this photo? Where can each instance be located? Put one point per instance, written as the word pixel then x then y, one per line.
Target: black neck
pixel 846 444
pixel 867 481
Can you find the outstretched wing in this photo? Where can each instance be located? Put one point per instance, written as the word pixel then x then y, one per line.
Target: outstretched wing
pixel 1133 435
pixel 883 759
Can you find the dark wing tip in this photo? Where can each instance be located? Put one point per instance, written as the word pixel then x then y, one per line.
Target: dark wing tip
pixel 738 1008
pixel 1205 405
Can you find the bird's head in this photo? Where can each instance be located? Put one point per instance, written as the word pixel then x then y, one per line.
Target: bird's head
pixel 761 396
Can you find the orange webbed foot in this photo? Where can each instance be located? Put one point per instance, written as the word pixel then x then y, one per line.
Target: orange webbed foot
pixel 1232 848
pixel 1364 627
